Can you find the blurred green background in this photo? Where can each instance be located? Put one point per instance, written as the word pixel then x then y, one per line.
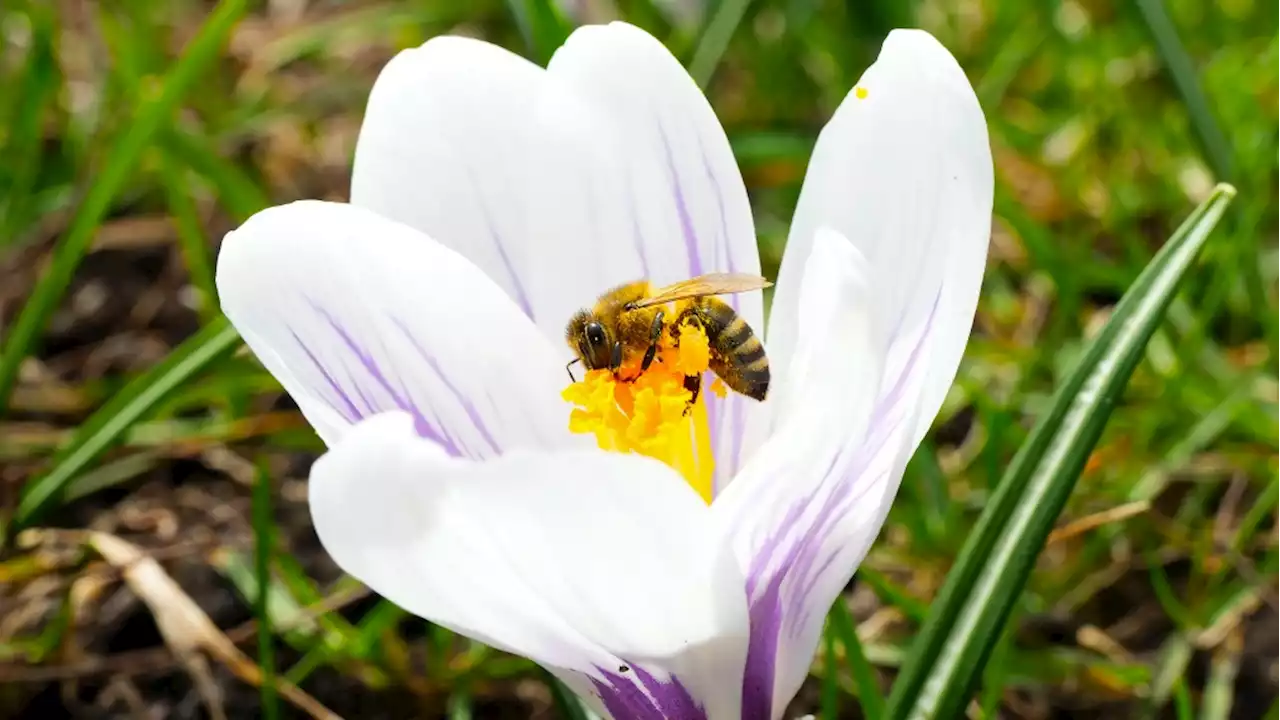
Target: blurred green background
pixel 134 134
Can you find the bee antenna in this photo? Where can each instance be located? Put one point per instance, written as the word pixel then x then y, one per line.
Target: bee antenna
pixel 570 364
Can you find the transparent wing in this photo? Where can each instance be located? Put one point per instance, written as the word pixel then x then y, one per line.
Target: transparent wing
pixel 709 284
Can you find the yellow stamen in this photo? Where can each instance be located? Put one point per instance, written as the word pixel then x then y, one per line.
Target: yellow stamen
pixel 861 92
pixel 645 412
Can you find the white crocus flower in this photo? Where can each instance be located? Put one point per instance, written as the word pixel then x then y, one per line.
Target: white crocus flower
pixel 421 331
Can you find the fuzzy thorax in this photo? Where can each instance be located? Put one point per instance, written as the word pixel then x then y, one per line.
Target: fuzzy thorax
pixel 645 412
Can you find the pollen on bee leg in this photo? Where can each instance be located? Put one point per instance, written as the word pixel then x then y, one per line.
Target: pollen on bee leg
pixel 694 351
pixel 645 413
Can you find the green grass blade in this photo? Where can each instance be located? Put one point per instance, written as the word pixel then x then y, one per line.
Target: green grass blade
pixel 374 634
pixel 1167 680
pixel 262 525
pixel 1182 701
pixel 542 26
pixel 864 676
pixel 1238 266
pixel 715 39
pixel 460 705
pixel 568 706
pixel 1183 72
pixel 154 110
pixel 105 426
pixel 974 603
pixel 893 594
pixel 830 697
pixel 21 149
pixel 195 250
pixel 238 193
pixel 1219 689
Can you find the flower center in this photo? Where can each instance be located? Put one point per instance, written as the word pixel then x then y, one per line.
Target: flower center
pixel 649 412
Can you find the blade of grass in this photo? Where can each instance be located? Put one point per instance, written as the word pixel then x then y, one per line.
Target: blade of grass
pixel 1267 501
pixel 993 566
pixel 195 250
pixel 237 192
pixel 568 706
pixel 262 543
pixel 864 676
pixel 541 25
pixel 460 706
pixel 1174 657
pixel 715 39
pixel 325 637
pixel 104 427
pixel 929 484
pixel 372 629
pixel 289 618
pixel 994 675
pixel 110 474
pixel 155 108
pixel 1219 689
pixel 1183 73
pixel 830 697
pixel 1182 700
pixel 892 594
pixel 39 84
pixel 1221 158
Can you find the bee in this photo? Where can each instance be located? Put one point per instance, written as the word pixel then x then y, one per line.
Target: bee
pixel 628 322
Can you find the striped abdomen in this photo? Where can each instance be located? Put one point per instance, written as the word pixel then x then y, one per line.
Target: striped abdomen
pixel 737 355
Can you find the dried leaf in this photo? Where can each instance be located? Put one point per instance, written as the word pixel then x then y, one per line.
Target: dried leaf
pixel 188 630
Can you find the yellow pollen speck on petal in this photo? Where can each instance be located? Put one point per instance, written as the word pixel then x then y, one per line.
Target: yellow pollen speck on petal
pixel 860 92
pixel 649 413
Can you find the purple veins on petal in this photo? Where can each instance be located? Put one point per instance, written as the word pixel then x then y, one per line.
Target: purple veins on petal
pixel 521 298
pixel 637 235
pixel 344 404
pixel 765 612
pixel 682 207
pixel 468 407
pixel 634 693
pixel 800 560
pixel 670 696
pixel 399 398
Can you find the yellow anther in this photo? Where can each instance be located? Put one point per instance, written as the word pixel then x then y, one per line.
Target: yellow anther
pixel 860 92
pixel 649 413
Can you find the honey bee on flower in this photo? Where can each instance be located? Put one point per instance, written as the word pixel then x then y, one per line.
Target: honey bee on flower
pixel 633 320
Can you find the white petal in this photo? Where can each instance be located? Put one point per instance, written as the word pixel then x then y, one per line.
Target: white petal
pixel 484 152
pixel 356 315
pixel 807 506
pixel 905 174
pixel 690 201
pixel 586 562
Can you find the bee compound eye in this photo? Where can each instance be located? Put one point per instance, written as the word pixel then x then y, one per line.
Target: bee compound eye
pixel 595 334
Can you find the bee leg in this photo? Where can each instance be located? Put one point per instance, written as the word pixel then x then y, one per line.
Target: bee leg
pixel 692 383
pixel 655 334
pixel 689 316
pixel 648 357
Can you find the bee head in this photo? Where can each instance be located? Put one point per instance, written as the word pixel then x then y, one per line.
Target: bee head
pixel 590 339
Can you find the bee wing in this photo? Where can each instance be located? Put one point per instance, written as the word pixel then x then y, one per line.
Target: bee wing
pixel 709 284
